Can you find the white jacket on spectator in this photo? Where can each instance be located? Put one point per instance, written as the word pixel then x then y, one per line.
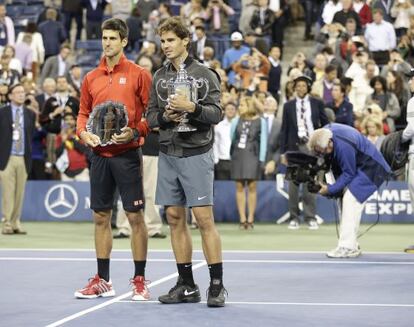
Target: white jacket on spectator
pixel 37 46
pixel 360 86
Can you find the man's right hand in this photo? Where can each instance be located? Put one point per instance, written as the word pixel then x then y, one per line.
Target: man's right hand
pixel 172 115
pixel 90 139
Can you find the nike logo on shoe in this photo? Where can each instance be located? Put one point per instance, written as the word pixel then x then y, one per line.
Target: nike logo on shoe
pixel 186 293
pixel 201 197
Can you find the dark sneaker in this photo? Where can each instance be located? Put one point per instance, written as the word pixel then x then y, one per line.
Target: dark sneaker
pixel 181 293
pixel 216 294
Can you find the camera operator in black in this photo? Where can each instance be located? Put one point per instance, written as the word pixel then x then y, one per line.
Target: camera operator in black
pixel 301 116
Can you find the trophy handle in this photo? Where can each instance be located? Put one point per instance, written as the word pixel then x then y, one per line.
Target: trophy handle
pixel 199 83
pixel 163 84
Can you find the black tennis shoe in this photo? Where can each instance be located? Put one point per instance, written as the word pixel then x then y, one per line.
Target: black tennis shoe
pixel 216 294
pixel 181 293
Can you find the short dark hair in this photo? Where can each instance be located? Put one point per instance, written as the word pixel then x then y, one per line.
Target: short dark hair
pixel 342 87
pixel 379 79
pixel 116 24
pixel 11 88
pixel 175 25
pixel 378 10
pixel 330 68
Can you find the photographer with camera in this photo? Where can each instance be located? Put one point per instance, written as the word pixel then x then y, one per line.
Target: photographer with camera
pixel 358 168
pixel 301 116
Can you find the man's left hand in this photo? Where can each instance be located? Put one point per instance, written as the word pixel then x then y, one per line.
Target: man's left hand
pixel 126 136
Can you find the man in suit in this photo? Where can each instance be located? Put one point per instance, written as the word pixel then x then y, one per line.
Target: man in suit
pixel 56 65
pixel 201 42
pixel 17 125
pixel 301 116
pixel 273 127
pixel 48 90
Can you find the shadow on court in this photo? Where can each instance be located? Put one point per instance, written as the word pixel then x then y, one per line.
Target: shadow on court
pixel 265 289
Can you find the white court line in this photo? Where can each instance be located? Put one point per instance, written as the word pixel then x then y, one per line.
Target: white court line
pixel 82 259
pixel 328 261
pixel 194 251
pixel 116 299
pixel 303 304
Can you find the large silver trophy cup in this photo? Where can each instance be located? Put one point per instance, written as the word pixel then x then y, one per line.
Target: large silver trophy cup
pixel 107 119
pixel 185 85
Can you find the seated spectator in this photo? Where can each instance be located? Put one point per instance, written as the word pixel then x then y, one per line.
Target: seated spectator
pixel 342 108
pixel 401 11
pixel 371 127
pixel 396 85
pixel 396 63
pixel 75 78
pixel 48 90
pixel 318 70
pixel 71 152
pixel 55 107
pixel 299 61
pixel 290 84
pixel 201 42
pixel 253 41
pixel 57 65
pixel 233 54
pixel 387 101
pixel 323 88
pixel 149 49
pixel 8 75
pixel 262 19
pixel 15 63
pixel 4 91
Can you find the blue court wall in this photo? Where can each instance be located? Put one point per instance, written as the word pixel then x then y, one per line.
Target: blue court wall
pixel 69 201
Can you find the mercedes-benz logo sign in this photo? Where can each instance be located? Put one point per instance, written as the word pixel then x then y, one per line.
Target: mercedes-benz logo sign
pixel 61 201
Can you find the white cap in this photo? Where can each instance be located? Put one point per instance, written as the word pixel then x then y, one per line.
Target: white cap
pixel 236 36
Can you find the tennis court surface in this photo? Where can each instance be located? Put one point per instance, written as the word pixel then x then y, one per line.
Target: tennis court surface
pixel 266 288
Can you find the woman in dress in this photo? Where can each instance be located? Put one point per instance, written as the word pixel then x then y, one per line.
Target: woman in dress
pixel 248 151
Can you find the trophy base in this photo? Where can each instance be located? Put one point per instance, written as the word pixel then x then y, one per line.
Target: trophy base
pixel 184 128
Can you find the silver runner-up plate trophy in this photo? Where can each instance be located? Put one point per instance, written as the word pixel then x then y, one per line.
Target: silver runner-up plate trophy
pixel 183 84
pixel 107 119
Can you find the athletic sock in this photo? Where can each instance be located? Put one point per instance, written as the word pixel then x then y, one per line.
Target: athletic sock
pixel 139 268
pixel 185 270
pixel 216 272
pixel 103 268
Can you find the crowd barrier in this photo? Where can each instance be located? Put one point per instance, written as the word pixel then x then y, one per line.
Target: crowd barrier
pixel 69 201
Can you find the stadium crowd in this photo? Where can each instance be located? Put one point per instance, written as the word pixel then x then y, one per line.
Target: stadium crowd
pixel 358 72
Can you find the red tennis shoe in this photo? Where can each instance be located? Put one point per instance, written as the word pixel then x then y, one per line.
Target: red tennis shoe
pixel 140 290
pixel 97 287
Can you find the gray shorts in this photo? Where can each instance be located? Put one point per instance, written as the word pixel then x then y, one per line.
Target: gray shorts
pixel 185 182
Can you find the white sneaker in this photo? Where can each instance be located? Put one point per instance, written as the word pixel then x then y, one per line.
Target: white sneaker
pixel 341 252
pixel 294 224
pixel 313 225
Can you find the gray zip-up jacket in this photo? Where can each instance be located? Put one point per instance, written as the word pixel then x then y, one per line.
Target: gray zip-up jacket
pixel 207 113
